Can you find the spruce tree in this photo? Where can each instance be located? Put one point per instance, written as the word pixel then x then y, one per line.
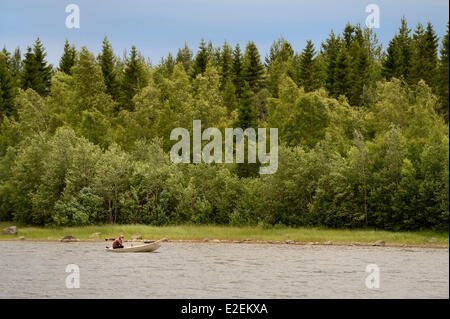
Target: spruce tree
pixel 130 80
pixel 348 35
pixel 431 47
pixel 280 50
pixel 425 59
pixel 246 119
pixel 419 58
pixel 229 95
pixel 359 74
pixel 16 67
pixel 307 75
pixel 342 72
pixel 6 89
pixel 443 76
pixel 213 54
pixel 107 62
pixel 67 60
pixel 185 57
pixel 201 60
pixel 330 49
pixel 399 54
pixel 237 70
pixel 225 64
pixel 168 64
pixel 253 68
pixel 36 72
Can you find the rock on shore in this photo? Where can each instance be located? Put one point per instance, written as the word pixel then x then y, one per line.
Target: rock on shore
pixel 379 243
pixel 10 230
pixel 68 239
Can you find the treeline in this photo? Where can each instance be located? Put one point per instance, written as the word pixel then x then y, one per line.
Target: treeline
pixel 363 133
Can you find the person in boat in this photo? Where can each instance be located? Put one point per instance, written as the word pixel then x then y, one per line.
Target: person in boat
pixel 118 242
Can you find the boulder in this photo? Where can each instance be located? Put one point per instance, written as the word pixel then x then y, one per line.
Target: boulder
pixel 68 239
pixel 136 236
pixel 164 240
pixel 330 242
pixel 432 240
pixel 290 241
pixel 379 243
pixel 205 239
pixel 21 238
pixel 10 231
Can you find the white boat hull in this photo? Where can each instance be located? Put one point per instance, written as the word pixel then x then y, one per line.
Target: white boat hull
pixel 136 249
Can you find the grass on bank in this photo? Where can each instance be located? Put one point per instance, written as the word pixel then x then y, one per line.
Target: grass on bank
pixel 200 232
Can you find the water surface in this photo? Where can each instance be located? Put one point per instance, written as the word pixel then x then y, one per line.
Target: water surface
pixel 210 270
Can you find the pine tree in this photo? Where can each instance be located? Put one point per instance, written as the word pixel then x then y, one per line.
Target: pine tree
pixel 6 89
pixel 36 72
pixel 253 69
pixel 237 70
pixel 201 60
pixel 185 57
pixel 443 76
pixel 130 82
pixel 107 62
pixel 307 76
pixel 67 60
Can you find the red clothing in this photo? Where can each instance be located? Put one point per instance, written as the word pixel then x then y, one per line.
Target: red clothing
pixel 117 242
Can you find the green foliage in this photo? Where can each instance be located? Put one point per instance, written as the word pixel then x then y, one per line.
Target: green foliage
pixel 363 134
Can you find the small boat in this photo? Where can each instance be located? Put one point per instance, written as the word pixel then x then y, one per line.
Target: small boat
pixel 137 249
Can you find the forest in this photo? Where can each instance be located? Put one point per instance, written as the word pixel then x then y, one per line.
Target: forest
pixel 363 133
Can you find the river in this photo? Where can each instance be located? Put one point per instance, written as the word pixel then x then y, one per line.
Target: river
pixel 219 270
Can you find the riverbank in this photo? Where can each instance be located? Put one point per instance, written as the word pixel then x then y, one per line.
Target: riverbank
pixel 213 233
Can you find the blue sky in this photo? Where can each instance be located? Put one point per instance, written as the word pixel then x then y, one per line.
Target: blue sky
pixel 157 27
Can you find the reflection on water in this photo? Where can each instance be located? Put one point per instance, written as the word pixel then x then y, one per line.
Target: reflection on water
pixel 210 270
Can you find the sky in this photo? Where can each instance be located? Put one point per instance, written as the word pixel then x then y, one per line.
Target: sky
pixel 158 27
